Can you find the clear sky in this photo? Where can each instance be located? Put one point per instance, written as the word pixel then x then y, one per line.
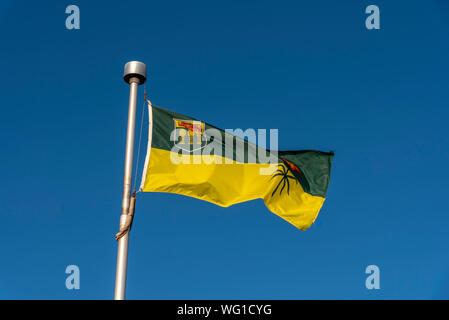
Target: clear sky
pixel 378 98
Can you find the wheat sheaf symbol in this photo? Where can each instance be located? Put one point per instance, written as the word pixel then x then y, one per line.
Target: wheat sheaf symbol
pixel 283 171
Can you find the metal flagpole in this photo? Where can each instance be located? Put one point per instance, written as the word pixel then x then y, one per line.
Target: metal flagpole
pixel 135 74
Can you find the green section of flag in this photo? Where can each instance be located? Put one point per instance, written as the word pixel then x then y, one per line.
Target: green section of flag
pixel 311 168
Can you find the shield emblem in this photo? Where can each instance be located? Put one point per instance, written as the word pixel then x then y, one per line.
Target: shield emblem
pixel 189 135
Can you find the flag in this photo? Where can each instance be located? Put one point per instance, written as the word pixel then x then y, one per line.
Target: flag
pixel 192 158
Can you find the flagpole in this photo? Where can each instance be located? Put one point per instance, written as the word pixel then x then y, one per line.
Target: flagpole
pixel 135 74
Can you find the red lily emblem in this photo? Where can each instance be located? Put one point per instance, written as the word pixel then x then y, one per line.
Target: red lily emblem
pixel 292 166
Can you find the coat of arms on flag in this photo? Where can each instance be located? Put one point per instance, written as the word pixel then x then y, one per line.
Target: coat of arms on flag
pixel 188 135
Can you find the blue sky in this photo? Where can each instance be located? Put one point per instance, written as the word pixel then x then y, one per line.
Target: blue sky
pixel 378 98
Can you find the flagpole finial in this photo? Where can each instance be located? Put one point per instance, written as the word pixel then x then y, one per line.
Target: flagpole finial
pixel 135 69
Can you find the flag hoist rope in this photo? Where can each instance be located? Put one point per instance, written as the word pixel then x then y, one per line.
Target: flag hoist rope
pixel 132 201
pixel 129 218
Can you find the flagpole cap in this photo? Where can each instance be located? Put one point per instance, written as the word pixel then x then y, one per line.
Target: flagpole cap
pixel 135 69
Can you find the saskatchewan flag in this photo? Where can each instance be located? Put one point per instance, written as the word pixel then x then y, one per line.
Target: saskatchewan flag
pixel 189 157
